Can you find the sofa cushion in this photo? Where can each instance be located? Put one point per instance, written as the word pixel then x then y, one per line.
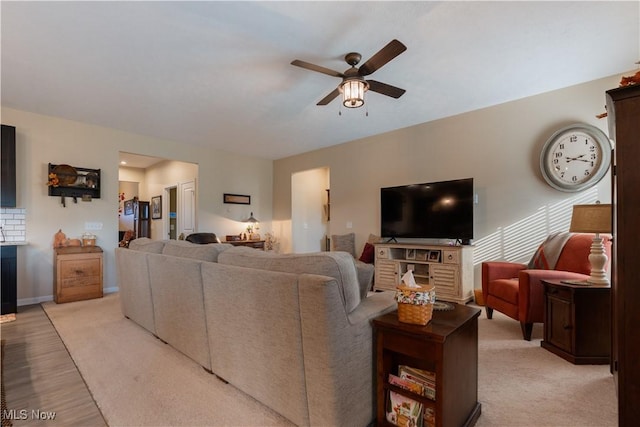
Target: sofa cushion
pixel 184 249
pixel 145 244
pixel 344 243
pixel 338 265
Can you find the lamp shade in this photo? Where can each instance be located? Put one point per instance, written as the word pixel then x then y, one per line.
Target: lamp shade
pixel 594 218
pixel 251 220
pixel 353 92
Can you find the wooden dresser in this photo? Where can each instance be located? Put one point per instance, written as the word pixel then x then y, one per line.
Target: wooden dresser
pixel 77 273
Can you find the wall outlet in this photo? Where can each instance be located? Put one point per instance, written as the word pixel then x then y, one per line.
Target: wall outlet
pixel 349 224
pixel 93 226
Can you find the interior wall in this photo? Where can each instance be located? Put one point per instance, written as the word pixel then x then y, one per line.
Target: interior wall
pixel 308 201
pixel 498 146
pixel 42 139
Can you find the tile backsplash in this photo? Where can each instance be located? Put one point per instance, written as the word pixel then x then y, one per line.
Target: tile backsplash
pixel 13 223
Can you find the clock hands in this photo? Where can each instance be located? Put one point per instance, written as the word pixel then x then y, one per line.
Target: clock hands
pixel 570 159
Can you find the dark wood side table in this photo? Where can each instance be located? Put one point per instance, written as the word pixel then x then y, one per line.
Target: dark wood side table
pixel 258 244
pixel 577 322
pixel 446 346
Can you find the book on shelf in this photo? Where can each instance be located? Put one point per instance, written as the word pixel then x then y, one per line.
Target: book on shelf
pixel 426 379
pixel 403 411
pixel 429 417
pixel 406 384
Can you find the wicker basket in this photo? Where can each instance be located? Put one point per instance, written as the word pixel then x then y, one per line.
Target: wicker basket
pixel 416 314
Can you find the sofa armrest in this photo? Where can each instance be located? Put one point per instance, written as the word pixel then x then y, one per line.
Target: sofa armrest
pixel 338 354
pixel 531 291
pixel 365 277
pixel 494 270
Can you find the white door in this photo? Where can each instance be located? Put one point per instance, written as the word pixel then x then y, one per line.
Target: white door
pixel 187 208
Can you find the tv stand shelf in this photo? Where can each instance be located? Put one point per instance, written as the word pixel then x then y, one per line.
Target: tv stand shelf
pixel 448 268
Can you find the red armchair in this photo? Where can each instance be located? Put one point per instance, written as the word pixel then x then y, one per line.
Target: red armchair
pixel 515 290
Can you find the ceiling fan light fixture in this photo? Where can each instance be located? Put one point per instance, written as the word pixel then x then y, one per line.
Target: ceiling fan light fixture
pixel 353 92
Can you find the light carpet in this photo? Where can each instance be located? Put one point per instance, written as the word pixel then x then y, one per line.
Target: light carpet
pixel 137 380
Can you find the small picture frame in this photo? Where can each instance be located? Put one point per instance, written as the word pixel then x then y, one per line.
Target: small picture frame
pixel 410 254
pixel 422 255
pixel 434 256
pixel 238 199
pixel 128 207
pixel 156 207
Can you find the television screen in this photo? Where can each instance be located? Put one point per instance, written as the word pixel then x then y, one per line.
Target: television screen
pixel 436 210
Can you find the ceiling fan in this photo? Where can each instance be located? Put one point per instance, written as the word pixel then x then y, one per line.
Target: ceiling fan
pixel 353 84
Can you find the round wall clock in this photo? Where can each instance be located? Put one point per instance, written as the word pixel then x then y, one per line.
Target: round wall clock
pixel 575 157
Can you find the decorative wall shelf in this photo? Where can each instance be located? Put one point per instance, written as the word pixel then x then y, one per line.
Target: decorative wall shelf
pixel 75 182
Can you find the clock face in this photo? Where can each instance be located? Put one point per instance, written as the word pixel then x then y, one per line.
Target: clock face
pixel 575 157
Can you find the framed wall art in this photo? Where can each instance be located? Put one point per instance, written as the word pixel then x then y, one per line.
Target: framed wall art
pixel 156 207
pixel 128 207
pixel 237 199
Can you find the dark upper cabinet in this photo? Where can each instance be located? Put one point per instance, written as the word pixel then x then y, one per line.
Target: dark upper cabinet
pixel 623 108
pixel 8 167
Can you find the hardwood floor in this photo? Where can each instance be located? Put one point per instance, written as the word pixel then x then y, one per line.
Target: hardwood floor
pixel 42 384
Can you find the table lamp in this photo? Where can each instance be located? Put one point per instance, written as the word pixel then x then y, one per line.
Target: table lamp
pixel 596 219
pixel 252 225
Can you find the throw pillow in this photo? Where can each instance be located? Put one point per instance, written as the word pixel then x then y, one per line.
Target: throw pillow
pixel 373 239
pixel 345 243
pixel 367 253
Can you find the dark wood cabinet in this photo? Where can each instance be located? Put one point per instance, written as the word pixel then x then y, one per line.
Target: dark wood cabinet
pixel 446 346
pixel 577 322
pixel 143 219
pixel 623 108
pixel 8 272
pixel 8 167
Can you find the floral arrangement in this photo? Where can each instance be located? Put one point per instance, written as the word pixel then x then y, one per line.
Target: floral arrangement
pixel 54 181
pixel 271 242
pixel 419 296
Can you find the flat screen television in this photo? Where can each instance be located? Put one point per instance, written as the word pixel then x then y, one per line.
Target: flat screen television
pixel 435 210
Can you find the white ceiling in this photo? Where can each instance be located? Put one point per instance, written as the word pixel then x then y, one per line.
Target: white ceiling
pixel 218 73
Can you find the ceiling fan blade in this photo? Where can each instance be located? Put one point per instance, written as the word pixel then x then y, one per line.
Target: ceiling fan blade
pixel 327 99
pixel 317 68
pixel 385 89
pixel 384 55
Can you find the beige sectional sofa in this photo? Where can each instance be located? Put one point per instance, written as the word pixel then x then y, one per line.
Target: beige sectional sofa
pixel 293 331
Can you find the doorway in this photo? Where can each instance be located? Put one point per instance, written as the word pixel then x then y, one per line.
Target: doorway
pixel 310 210
pixel 175 181
pixel 172 203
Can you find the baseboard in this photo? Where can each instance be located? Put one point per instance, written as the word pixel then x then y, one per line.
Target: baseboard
pixel 38 300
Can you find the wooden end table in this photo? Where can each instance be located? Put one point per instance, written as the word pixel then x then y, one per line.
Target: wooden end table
pixel 446 346
pixel 577 322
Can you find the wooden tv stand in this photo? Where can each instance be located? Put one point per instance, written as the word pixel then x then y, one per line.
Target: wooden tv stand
pixel 448 268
